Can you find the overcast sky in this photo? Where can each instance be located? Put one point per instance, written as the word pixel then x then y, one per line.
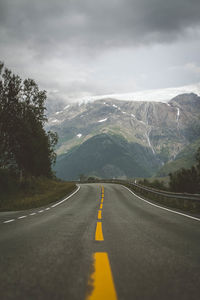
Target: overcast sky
pixel 75 48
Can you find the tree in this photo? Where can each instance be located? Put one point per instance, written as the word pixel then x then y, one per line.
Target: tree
pixel 198 160
pixel 186 180
pixel 10 87
pixel 25 146
pixel 198 168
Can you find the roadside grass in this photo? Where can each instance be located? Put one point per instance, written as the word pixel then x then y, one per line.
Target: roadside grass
pixel 34 193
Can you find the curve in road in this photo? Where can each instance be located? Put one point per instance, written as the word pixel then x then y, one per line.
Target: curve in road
pixel 150 253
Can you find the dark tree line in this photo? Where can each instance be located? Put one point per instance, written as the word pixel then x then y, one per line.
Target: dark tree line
pixel 186 180
pixel 25 148
pixel 156 184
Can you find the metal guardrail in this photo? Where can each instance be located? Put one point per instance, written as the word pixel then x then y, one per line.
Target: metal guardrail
pixel 183 196
pixel 182 201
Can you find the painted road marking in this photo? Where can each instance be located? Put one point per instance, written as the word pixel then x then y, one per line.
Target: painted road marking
pixel 40 211
pixel 99 232
pixel 9 221
pixel 58 203
pixel 102 279
pixel 99 215
pixel 101 206
pixel 161 207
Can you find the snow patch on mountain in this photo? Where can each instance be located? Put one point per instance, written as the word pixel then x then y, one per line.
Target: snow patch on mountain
pixel 142 122
pixel 54 121
pixel 115 106
pixel 149 143
pixel 177 116
pixel 178 113
pixel 103 120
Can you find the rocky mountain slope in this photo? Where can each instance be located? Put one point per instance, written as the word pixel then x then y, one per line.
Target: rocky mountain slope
pixel 160 131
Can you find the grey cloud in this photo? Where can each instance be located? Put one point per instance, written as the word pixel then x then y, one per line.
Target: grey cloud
pixel 63 25
pixel 83 47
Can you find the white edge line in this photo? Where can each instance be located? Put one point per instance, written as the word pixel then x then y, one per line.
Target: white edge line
pixel 32 214
pixel 58 203
pixel 161 207
pixel 22 217
pixel 9 221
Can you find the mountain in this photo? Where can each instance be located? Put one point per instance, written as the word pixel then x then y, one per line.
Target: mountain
pixel 159 131
pixel 185 159
pixel 158 95
pixel 107 156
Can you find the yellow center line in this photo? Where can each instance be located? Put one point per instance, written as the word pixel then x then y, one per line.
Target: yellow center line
pixel 101 206
pixel 102 279
pixel 99 232
pixel 99 214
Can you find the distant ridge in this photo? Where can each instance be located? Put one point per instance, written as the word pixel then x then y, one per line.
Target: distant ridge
pixel 157 95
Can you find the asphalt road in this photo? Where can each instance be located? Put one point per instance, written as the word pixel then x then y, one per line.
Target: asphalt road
pixel 49 253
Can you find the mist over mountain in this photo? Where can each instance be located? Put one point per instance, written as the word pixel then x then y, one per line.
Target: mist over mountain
pixel 57 102
pixel 145 135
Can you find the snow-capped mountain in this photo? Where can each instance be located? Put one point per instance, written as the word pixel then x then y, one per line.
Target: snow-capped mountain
pixel 152 132
pixel 157 95
pixel 55 104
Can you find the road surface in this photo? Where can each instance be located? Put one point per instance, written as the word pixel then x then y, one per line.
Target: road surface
pixel 101 243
